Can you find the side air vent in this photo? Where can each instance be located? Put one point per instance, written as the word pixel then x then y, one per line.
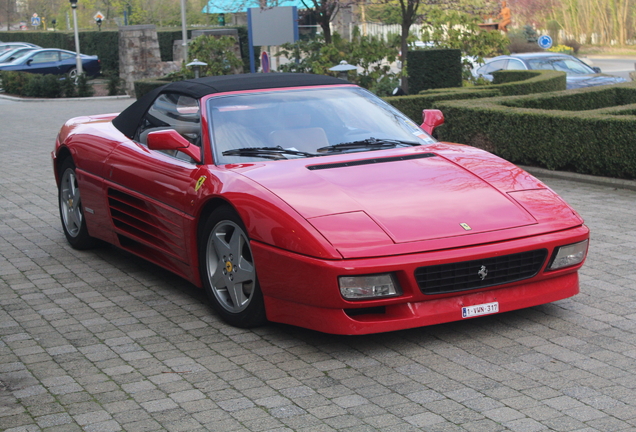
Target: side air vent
pixel 142 223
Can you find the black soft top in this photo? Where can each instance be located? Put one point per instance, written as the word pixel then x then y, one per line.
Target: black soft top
pixel 128 120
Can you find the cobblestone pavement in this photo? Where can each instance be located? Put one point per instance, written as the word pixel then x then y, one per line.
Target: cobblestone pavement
pixel 103 341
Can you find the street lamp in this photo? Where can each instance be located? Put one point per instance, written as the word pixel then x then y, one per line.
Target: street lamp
pixel 342 69
pixel 78 60
pixel 196 65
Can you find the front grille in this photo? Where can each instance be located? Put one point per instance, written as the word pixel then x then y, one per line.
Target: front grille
pixel 482 273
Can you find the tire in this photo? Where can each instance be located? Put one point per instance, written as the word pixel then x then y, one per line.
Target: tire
pixel 228 271
pixel 71 211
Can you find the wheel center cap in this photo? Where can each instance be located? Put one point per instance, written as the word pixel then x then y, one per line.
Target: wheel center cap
pixel 228 266
pixel 70 202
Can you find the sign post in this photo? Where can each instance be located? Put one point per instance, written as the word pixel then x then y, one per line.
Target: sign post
pixel 545 42
pixel 99 17
pixel 35 20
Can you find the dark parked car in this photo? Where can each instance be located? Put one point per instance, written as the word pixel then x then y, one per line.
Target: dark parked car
pixel 53 61
pixel 14 54
pixel 6 46
pixel 578 73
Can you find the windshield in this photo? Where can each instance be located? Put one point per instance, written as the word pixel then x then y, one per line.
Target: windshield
pixel 563 64
pixel 306 123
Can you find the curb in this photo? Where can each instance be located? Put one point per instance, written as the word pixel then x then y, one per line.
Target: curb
pixel 19 99
pixel 582 178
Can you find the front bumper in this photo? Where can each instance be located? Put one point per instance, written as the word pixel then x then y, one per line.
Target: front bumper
pixel 303 291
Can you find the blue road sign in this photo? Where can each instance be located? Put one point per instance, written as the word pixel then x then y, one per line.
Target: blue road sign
pixel 545 42
pixel 35 21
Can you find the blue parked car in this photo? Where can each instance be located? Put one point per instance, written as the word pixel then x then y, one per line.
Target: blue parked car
pixel 53 61
pixel 578 74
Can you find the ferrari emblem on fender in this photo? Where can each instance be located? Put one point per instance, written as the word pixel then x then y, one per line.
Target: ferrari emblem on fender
pixel 200 183
pixel 483 272
pixel 465 226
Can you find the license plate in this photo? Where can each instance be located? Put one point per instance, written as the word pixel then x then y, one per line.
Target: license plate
pixel 482 309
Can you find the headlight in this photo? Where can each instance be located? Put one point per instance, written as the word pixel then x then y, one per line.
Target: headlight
pixel 368 286
pixel 570 255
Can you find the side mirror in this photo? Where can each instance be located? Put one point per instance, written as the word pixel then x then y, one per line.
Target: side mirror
pixel 170 139
pixel 29 61
pixel 431 118
pixel 596 69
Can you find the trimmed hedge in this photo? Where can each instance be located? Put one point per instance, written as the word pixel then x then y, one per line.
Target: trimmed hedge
pixel 144 86
pixel 433 69
pixel 514 83
pixel 549 130
pixel 43 86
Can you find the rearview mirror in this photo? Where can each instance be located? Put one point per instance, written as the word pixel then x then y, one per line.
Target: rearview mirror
pixel 170 139
pixel 596 69
pixel 431 118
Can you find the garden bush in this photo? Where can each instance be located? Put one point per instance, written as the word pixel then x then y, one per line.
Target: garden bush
pixel 43 86
pixel 433 69
pixel 508 83
pixel 550 130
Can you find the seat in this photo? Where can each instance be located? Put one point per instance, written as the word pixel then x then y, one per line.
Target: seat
pixel 230 136
pixel 303 139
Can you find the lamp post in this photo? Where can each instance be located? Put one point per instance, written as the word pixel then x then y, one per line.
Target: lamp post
pixel 342 69
pixel 196 65
pixel 78 60
pixel 184 31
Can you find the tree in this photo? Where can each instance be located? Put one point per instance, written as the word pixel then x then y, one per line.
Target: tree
pixel 324 11
pixel 460 30
pixel 412 11
pixel 372 54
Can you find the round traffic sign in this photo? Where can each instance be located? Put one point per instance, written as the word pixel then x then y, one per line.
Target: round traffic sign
pixel 545 41
pixel 265 61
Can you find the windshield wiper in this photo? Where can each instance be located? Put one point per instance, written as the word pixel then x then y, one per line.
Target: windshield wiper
pixel 369 143
pixel 266 152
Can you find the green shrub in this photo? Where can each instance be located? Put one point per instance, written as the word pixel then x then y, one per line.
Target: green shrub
pixel 433 69
pixel 69 88
pixel 511 83
pixel 114 83
pixel 13 82
pixel 529 130
pixel 144 86
pixel 84 89
pixel 369 53
pixel 167 38
pixel 217 53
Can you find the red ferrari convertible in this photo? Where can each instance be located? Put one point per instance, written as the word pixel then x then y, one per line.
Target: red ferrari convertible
pixel 304 199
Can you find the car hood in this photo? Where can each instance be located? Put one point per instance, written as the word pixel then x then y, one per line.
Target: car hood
pixel 415 197
pixel 591 80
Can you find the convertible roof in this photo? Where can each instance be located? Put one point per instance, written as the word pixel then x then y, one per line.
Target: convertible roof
pixel 128 120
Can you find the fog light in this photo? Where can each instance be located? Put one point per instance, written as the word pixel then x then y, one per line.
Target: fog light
pixel 570 255
pixel 369 286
